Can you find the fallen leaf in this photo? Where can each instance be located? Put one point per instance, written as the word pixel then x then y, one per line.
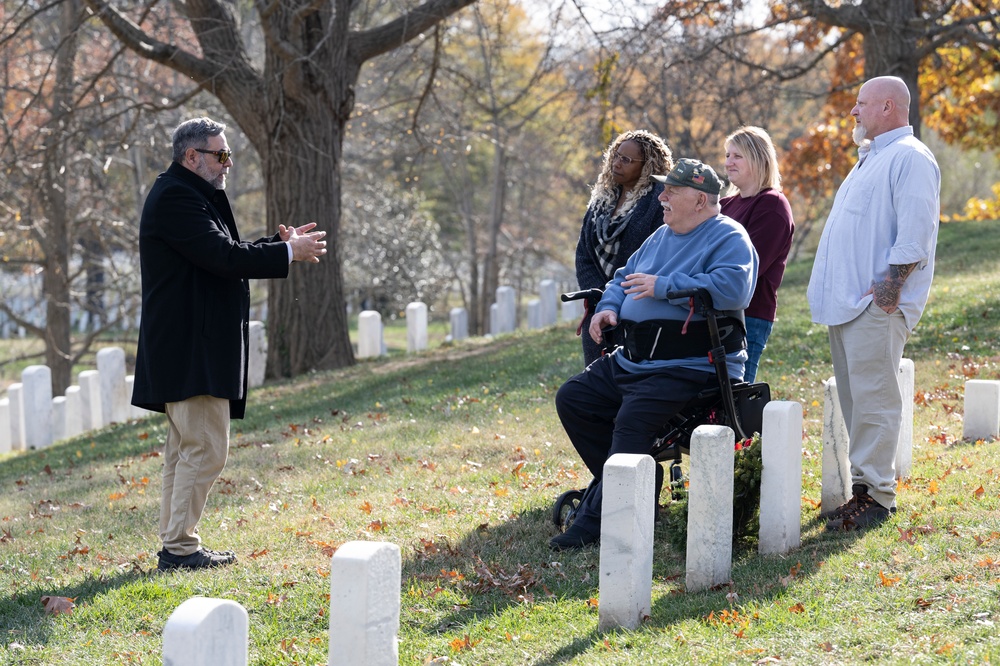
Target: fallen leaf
pixel 797 608
pixel 57 605
pixel 888 581
pixel 464 643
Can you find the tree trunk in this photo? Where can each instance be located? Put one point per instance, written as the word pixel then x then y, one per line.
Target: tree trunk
pixel 891 48
pixel 307 319
pixel 491 263
pixel 55 280
pixel 477 321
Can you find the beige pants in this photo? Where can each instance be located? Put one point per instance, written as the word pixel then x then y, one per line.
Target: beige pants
pixel 866 354
pixel 195 455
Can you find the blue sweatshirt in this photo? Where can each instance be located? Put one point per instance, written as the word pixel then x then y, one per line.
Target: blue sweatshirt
pixel 717 256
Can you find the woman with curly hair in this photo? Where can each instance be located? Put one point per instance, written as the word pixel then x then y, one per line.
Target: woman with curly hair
pixel 623 211
pixel 759 205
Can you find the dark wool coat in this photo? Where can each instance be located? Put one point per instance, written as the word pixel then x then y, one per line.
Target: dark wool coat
pixel 194 329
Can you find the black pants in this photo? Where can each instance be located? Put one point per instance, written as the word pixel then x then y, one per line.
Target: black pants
pixel 606 410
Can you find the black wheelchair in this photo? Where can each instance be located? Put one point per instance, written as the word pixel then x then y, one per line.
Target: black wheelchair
pixel 735 404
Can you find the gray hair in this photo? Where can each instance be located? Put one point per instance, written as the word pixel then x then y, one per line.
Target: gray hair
pixel 194 133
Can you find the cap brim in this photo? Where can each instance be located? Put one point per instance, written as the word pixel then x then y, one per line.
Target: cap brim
pixel 667 180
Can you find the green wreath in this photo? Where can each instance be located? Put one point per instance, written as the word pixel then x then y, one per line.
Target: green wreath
pixel 747 467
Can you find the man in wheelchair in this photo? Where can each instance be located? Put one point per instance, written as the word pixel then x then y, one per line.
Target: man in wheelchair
pixel 620 402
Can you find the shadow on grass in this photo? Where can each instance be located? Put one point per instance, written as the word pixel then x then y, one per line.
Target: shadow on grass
pixel 24 620
pixel 756 577
pixel 510 552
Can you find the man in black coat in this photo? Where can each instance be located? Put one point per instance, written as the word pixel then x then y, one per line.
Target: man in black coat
pixel 191 361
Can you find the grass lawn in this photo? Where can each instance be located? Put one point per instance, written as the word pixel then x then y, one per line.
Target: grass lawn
pixel 456 455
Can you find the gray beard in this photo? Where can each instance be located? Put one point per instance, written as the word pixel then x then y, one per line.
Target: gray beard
pixel 859 136
pixel 219 182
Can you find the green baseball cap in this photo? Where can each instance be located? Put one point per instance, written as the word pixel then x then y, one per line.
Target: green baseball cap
pixel 692 173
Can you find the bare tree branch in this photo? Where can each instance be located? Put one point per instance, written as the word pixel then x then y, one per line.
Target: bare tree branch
pixel 367 44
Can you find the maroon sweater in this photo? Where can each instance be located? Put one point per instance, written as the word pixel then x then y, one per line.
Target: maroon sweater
pixel 767 217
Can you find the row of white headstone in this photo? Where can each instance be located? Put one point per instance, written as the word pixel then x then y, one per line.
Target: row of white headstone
pixel 31 418
pixel 366 576
pixel 542 312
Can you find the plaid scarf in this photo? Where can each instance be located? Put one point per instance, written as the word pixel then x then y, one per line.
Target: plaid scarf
pixel 609 227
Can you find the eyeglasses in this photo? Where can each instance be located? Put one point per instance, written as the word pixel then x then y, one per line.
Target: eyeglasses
pixel 223 155
pixel 624 159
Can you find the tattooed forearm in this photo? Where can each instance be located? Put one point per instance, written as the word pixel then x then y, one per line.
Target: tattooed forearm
pixel 887 291
pixel 900 272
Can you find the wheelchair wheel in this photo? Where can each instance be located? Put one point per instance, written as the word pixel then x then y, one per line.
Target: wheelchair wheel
pixel 564 509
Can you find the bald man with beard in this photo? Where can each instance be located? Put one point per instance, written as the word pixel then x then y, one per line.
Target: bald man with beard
pixel 870 282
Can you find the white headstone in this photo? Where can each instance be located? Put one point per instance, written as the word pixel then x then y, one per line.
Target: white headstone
pixel 416 327
pixel 369 334
pixel 74 412
pixel 133 411
pixel 506 310
pixel 257 359
pixel 91 413
pixel 207 632
pixel 459 320
pixel 549 299
pixel 37 382
pixel 15 393
pixel 494 319
pixel 781 478
pixel 365 579
pixel 58 418
pixel 626 541
pixel 4 425
pixel 709 556
pixel 836 474
pixel 114 395
pixel 534 313
pixel 982 409
pixel 904 447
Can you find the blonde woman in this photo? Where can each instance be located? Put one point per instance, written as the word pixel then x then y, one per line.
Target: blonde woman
pixel 759 205
pixel 623 211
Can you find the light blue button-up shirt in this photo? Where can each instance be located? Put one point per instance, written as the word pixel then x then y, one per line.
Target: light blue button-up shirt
pixel 885 213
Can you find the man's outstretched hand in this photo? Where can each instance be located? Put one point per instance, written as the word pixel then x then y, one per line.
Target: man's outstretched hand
pixel 307 245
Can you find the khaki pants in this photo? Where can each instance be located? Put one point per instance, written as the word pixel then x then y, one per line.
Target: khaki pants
pixel 195 455
pixel 866 354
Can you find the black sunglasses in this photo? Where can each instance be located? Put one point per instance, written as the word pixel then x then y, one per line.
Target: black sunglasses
pixel 223 155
